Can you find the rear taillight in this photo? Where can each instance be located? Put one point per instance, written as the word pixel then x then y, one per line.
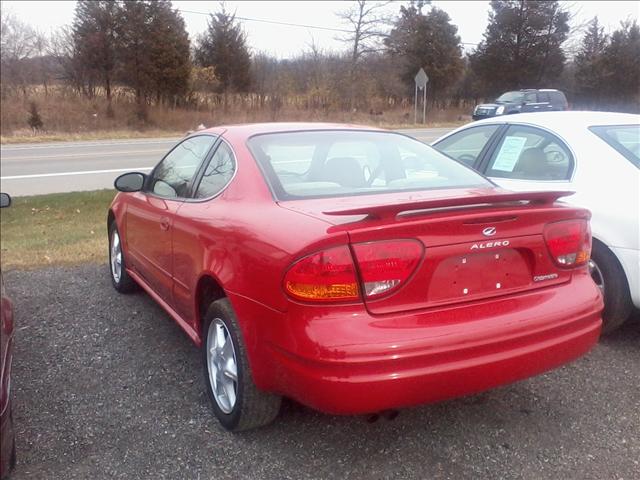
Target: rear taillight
pixel 385 265
pixel 569 242
pixel 330 275
pixel 325 276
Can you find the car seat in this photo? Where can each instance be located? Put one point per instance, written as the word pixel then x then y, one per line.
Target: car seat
pixel 345 171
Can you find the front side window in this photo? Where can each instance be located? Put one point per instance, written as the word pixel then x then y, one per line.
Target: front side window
pixel 466 145
pixel 623 138
pixel 217 173
pixel 346 163
pixel 172 177
pixel 528 153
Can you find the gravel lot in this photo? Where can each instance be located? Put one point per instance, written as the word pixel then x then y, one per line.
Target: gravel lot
pixel 106 386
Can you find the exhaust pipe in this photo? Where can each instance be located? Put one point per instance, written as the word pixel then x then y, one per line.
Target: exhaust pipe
pixel 388 414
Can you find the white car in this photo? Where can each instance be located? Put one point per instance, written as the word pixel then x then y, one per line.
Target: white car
pixel 595 154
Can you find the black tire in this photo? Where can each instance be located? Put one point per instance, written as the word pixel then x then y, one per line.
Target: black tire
pixel 12 455
pixel 252 408
pixel 124 283
pixel 13 460
pixel 617 299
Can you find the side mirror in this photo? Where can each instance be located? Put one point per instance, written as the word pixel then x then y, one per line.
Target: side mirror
pixel 5 200
pixel 130 182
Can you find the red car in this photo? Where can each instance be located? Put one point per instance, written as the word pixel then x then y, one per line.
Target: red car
pixel 354 270
pixel 7 435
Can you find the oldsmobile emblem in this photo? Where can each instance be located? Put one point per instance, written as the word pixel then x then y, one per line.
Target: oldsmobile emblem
pixel 489 231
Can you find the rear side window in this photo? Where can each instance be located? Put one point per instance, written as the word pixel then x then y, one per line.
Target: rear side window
pixel 558 98
pixel 217 173
pixel 543 97
pixel 466 145
pixel 346 163
pixel 528 153
pixel 623 138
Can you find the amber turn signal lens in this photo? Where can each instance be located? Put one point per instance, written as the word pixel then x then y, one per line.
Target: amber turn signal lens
pixel 324 276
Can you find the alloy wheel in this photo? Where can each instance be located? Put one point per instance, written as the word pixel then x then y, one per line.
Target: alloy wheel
pixel 222 365
pixel 116 256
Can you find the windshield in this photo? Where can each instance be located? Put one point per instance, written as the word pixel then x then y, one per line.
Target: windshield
pixel 511 97
pixel 344 163
pixel 624 138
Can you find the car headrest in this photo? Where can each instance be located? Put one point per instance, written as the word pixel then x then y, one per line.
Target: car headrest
pixel 533 163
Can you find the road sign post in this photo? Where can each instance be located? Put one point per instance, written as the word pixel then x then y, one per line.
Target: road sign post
pixel 415 105
pixel 421 80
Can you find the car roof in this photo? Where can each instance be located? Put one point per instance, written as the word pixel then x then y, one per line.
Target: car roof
pixel 250 129
pixel 566 120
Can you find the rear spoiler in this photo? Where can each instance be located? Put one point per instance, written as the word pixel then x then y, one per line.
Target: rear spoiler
pixel 390 211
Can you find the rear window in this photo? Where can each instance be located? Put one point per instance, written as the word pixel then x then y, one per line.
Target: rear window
pixel 345 163
pixel 623 138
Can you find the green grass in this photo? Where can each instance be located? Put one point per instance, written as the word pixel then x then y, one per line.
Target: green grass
pixel 58 229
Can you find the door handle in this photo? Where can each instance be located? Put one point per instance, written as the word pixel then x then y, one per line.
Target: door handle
pixel 164 223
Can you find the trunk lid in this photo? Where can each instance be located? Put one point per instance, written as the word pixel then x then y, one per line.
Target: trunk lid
pixel 478 244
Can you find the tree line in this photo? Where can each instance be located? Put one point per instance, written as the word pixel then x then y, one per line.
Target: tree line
pixel 144 47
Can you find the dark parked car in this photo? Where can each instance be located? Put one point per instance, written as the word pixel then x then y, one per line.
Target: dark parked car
pixel 521 101
pixel 7 440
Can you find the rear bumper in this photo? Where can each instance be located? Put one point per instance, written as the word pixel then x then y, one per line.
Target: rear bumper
pixel 352 362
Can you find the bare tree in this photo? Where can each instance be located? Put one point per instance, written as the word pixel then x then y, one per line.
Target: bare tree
pixel 41 46
pixel 368 25
pixel 17 43
pixel 62 49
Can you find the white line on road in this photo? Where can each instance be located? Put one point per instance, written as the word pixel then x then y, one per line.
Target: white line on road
pixel 30 146
pixel 64 174
pixel 93 154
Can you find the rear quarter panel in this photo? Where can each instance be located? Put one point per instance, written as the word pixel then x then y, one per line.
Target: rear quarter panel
pixel 243 239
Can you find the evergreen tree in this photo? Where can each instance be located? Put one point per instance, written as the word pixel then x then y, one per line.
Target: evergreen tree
pixel 522 45
pixel 224 47
pixel 590 67
pixel 94 38
pixel 34 120
pixel 168 50
pixel 428 41
pixel 622 63
pixel 135 68
pixel 154 51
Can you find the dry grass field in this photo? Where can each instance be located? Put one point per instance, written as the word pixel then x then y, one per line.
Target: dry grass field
pixel 69 116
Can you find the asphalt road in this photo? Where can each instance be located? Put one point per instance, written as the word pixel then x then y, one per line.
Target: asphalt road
pixel 35 169
pixel 107 386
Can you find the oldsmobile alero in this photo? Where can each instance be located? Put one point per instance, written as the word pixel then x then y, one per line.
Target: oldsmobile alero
pixel 351 269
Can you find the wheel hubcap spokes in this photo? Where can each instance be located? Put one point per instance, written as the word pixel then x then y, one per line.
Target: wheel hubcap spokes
pixel 596 274
pixel 116 257
pixel 222 365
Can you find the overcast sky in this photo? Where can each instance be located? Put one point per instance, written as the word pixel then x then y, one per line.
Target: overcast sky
pixel 286 41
